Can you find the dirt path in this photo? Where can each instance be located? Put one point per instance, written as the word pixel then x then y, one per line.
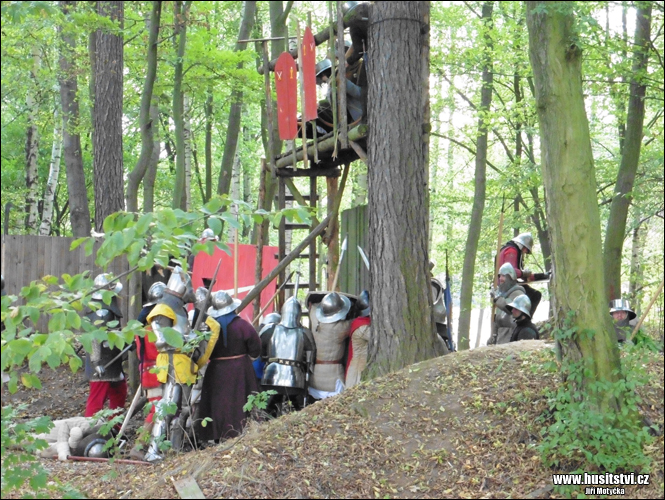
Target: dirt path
pixel 460 426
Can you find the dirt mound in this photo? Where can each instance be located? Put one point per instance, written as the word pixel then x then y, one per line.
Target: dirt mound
pixel 459 426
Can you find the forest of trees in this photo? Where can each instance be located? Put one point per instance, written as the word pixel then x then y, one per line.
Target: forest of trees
pixel 156 104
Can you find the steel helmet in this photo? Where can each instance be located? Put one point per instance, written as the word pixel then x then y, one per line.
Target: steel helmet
pixel 273 317
pixel 334 307
pixel 291 313
pixel 622 305
pixel 323 66
pixel 507 269
pixel 440 312
pixel 437 290
pixel 521 303
pixel 156 291
pixel 363 304
pixel 222 303
pixel 103 282
pixel 208 234
pixel 524 240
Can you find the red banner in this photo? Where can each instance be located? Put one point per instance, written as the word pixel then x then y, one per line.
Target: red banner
pixel 286 85
pixel 204 267
pixel 309 74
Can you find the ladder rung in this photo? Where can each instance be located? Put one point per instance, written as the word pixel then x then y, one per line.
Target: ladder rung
pixel 290 197
pixel 297 226
pixel 291 286
pixel 306 256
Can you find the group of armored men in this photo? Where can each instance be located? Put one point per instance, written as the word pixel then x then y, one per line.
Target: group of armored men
pixel 516 301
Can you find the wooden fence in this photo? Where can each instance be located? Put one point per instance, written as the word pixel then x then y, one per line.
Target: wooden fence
pixel 26 258
pixel 353 275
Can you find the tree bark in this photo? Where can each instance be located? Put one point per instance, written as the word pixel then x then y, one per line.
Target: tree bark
pixel 471 248
pixel 151 173
pixel 79 211
pixel 235 113
pixel 53 174
pixel 616 224
pixel 107 116
pixel 181 15
pixel 402 324
pixel 146 123
pixel 187 133
pixel 572 210
pixel 208 146
pixel 32 148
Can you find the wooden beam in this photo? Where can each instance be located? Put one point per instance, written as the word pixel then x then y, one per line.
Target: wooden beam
pixel 300 198
pixel 285 262
pixel 328 144
pixel 309 172
pixel 359 151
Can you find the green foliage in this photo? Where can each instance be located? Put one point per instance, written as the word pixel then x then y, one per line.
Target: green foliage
pixel 258 401
pixel 581 436
pixel 21 469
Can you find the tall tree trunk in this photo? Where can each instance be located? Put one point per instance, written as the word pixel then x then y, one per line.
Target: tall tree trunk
pixel 32 148
pixel 79 211
pixel 471 248
pixel 107 139
pixel 570 186
pixel 208 146
pixel 145 121
pixel 616 224
pixel 53 174
pixel 636 270
pixel 181 15
pixel 402 324
pixel 187 133
pixel 233 127
pixel 151 172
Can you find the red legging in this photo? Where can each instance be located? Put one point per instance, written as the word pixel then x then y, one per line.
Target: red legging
pixel 115 392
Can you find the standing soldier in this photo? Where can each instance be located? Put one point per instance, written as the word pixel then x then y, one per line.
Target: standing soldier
pixel 513 253
pixel 509 289
pixel 520 308
pixel 103 366
pixel 360 336
pixel 622 314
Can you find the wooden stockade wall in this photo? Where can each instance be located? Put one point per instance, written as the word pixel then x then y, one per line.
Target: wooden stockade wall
pixel 353 275
pixel 26 258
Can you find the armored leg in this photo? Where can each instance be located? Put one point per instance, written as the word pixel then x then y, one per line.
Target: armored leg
pixel 172 394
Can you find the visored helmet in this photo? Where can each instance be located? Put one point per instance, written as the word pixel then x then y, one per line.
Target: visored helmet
pixel 440 312
pixel 334 307
pixel 222 303
pixel 103 282
pixel 622 305
pixel 524 240
pixel 521 303
pixel 156 291
pixel 437 290
pixel 363 304
pixel 180 285
pixel 291 313
pixel 507 269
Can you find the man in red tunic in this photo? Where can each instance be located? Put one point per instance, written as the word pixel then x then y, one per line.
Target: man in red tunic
pixel 360 337
pixel 513 253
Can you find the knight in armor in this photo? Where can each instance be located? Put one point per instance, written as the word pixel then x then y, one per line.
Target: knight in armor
pixel 266 329
pixel 513 253
pixel 291 357
pixel 520 308
pixel 360 335
pixel 176 370
pixel 229 378
pixel 622 314
pixel 331 330
pixel 147 355
pixel 103 366
pixel 509 289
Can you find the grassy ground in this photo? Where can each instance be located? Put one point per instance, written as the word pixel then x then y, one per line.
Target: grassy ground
pixel 461 426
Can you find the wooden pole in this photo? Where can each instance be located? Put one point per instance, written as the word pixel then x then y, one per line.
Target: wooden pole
pixel 653 300
pixel 341 79
pixel 283 263
pixel 333 80
pixel 258 271
pixel 301 77
pixel 266 81
pixel 235 259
